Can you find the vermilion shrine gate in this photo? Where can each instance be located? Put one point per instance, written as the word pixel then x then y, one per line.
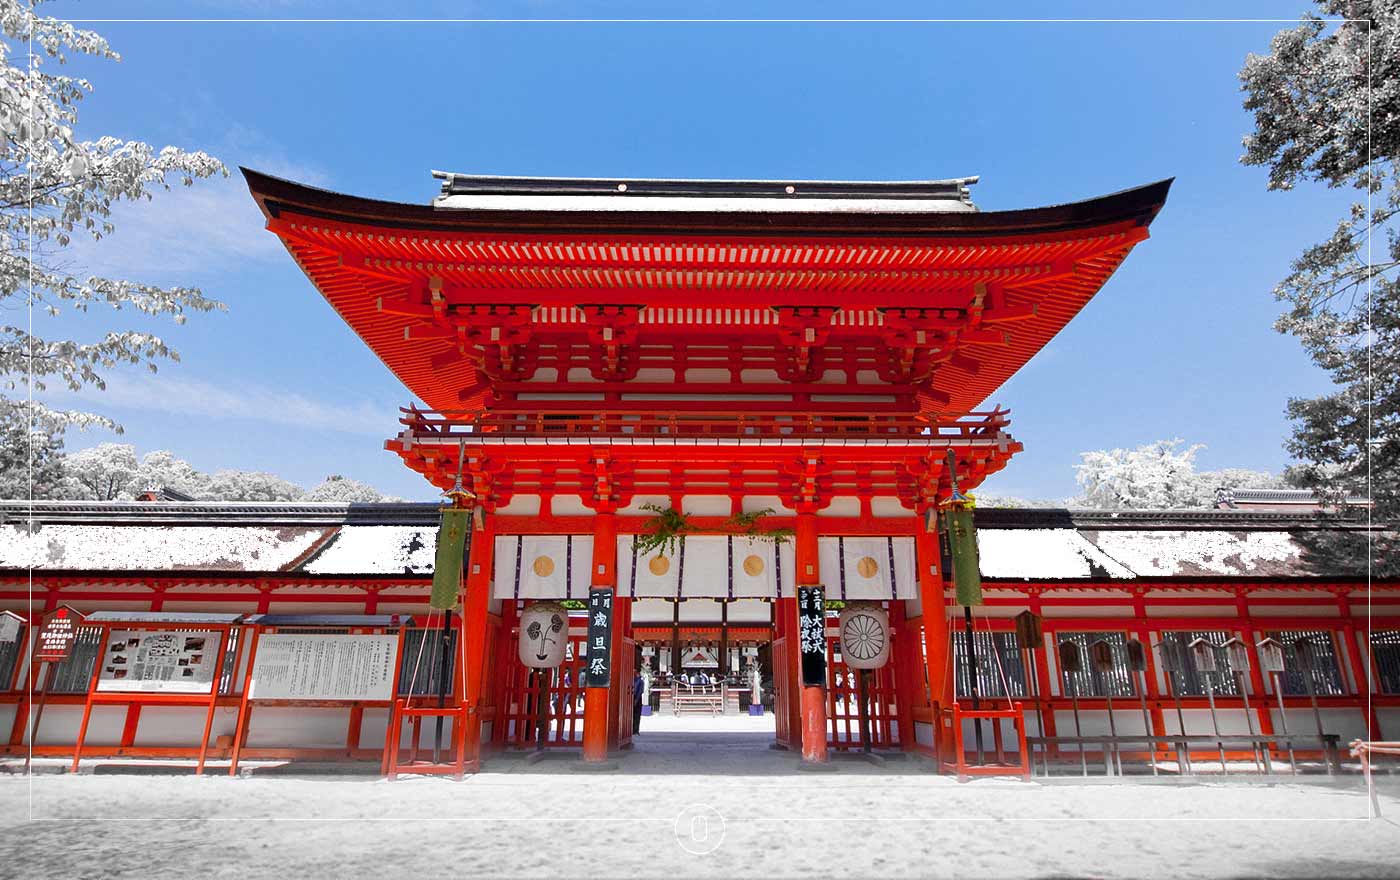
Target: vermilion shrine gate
pixel 586 348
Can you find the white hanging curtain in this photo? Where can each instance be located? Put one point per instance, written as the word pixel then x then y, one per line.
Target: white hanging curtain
pixel 868 568
pixel 543 566
pixel 753 568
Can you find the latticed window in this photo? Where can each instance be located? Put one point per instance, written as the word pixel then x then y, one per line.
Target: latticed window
pixel 422 654
pixel 1186 679
pixel 1326 669
pixel 1385 649
pixel 1090 681
pixel 998 658
pixel 9 656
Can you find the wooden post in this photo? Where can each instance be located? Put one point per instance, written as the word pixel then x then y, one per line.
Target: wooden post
pixel 597 720
pixel 813 696
pixel 935 615
pixel 87 703
pixel 240 723
pixel 473 635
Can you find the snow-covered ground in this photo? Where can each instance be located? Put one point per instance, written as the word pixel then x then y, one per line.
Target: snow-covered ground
pixel 684 803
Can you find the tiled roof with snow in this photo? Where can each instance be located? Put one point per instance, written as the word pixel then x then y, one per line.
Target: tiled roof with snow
pixel 385 540
pixel 1203 553
pixel 1044 554
pixel 377 550
pixel 65 547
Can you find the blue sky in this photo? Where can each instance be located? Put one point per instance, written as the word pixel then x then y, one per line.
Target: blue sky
pixel 1178 344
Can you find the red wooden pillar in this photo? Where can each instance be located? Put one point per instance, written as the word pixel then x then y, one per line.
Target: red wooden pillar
pixel 813 698
pixel 1256 676
pixel 599 703
pixel 473 633
pixel 937 648
pixel 1358 667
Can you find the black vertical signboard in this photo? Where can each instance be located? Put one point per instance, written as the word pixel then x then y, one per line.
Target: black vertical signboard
pixel 811 620
pixel 600 606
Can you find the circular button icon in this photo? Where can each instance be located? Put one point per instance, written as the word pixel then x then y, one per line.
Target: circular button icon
pixel 699 829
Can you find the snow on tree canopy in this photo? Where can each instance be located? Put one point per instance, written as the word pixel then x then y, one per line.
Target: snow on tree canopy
pixel 1043 554
pixel 1202 553
pixel 154 548
pixel 377 550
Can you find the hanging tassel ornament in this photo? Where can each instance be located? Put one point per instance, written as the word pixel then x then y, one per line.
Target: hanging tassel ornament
pixel 454 535
pixel 961 535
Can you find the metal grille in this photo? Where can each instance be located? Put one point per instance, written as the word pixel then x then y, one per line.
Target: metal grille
pixel 1326 672
pixel 1090 681
pixel 72 676
pixel 998 654
pixel 1187 681
pixel 1385 649
pixel 9 656
pixel 422 654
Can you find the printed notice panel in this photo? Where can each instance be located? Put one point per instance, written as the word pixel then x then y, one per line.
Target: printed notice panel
pixel 333 666
pixel 154 661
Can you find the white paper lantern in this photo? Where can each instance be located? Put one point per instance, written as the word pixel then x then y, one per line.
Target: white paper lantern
pixel 544 634
pixel 865 635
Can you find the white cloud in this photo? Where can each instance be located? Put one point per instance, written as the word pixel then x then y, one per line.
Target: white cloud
pixel 213 226
pixel 195 397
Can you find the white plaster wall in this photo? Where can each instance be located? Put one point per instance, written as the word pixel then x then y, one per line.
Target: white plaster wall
pixel 298 727
pixel 59 725
pixel 178 726
pixel 705 505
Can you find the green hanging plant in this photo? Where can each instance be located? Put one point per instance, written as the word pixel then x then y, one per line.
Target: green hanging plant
pixel 663 532
pixel 750 525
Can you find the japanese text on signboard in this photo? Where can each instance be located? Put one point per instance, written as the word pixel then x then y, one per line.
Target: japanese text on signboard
pixel 599 652
pixel 56 637
pixel 811 618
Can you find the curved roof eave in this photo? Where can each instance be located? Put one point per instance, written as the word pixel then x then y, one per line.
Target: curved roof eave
pixel 1138 206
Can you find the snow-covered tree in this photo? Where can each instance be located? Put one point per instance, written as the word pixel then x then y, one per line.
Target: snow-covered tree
pixel 31 455
pixel 230 485
pixel 1326 105
pixel 55 186
pixel 160 469
pixel 103 472
pixel 1011 501
pixel 338 488
pixel 1159 476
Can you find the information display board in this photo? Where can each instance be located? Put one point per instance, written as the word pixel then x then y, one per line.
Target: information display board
pixel 330 666
pixel 155 661
pixel 56 637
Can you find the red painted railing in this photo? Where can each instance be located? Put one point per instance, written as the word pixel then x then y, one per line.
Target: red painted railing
pixel 556 422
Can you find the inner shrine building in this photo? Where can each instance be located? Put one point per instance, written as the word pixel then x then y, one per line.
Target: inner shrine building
pixel 773 384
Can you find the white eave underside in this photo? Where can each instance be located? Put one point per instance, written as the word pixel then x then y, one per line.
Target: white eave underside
pixel 700 204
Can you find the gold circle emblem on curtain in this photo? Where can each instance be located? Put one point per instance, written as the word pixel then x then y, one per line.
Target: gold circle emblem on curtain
pixel 543 566
pixel 753 566
pixel 867 567
pixel 659 565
